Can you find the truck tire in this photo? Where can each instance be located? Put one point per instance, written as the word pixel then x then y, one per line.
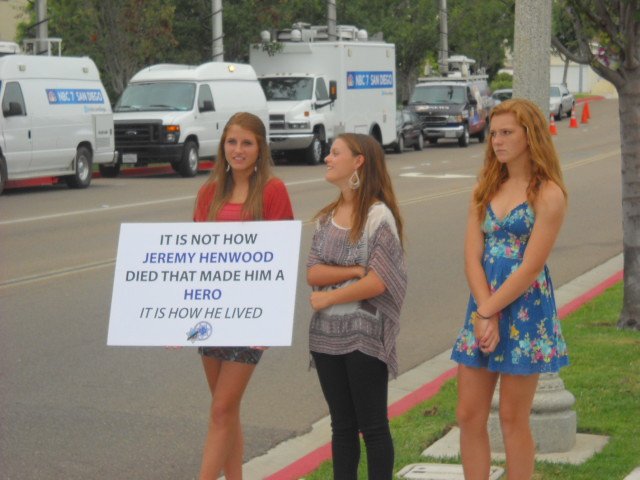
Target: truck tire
pixel 3 173
pixel 188 165
pixel 420 144
pixel 463 141
pixel 313 153
pixel 482 136
pixel 399 146
pixel 109 171
pixel 82 176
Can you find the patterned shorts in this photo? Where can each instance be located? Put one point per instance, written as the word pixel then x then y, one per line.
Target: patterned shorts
pixel 247 355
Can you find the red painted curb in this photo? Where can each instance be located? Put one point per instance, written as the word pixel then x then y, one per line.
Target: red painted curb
pixel 592 98
pixel 576 303
pixel 312 460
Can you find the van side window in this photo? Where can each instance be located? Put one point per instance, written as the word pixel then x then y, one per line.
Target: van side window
pixel 13 102
pixel 205 100
pixel 321 90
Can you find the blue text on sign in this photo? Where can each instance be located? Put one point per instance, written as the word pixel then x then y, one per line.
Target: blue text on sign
pixel 357 80
pixel 67 96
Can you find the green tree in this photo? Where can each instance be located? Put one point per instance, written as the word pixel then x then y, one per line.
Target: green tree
pixel 607 34
pixel 481 30
pixel 120 36
pixel 411 25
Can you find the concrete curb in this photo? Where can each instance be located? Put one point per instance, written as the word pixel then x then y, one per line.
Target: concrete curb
pixel 294 458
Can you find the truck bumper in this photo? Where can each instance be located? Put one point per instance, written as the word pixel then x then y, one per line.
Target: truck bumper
pixel 290 141
pixel 443 132
pixel 141 155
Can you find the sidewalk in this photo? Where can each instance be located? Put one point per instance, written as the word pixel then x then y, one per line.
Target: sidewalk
pixel 294 458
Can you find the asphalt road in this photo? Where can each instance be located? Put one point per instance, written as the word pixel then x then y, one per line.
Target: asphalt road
pixel 73 408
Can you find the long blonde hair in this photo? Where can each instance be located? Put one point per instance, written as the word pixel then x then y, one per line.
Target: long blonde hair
pixel 545 164
pixel 375 184
pixel 252 209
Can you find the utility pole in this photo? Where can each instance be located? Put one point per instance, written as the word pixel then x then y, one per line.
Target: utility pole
pixel 532 52
pixel 443 52
pixel 331 20
pixel 553 422
pixel 42 28
pixel 217 49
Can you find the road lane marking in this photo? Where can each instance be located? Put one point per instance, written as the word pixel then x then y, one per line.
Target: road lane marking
pixel 440 176
pixel 110 208
pixel 409 201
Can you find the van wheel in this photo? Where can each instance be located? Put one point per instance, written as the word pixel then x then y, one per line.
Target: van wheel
pixel 463 141
pixel 313 154
pixel 109 171
pixel 483 134
pixel 420 144
pixel 399 146
pixel 188 166
pixel 3 173
pixel 82 177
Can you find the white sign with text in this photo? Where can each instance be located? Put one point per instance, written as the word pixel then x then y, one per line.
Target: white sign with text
pixel 205 284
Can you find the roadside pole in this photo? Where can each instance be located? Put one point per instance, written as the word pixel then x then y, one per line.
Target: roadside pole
pixel 553 422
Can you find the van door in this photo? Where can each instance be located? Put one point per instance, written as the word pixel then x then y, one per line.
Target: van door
pixel 206 122
pixel 17 131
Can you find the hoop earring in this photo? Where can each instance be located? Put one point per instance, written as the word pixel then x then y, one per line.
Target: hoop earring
pixel 228 168
pixel 354 183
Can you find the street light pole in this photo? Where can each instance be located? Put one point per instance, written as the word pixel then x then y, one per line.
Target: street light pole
pixel 216 27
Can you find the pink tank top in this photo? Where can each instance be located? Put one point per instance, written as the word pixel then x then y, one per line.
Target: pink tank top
pixel 230 212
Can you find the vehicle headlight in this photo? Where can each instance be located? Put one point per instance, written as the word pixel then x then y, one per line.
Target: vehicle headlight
pixel 455 118
pixel 171 133
pixel 298 125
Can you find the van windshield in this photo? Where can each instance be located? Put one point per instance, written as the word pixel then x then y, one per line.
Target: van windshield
pixel 438 94
pixel 282 89
pixel 157 96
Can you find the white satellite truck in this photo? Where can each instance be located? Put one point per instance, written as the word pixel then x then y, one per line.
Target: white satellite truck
pixel 317 89
pixel 175 114
pixel 56 119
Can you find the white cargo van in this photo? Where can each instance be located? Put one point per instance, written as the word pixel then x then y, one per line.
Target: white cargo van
pixel 317 89
pixel 176 113
pixel 56 119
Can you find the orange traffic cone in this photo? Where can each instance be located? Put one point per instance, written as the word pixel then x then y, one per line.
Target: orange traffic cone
pixel 553 130
pixel 585 114
pixel 574 120
pixel 586 108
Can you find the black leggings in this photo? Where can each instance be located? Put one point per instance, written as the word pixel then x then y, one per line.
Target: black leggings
pixel 355 388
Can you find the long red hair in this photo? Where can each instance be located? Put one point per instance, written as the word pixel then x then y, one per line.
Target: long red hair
pixel 545 165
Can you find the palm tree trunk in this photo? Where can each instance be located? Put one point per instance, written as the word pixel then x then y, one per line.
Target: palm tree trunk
pixel 629 105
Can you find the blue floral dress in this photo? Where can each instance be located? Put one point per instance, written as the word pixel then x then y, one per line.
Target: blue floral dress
pixel 531 339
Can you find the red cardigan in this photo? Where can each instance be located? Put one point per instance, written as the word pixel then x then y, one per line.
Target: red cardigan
pixel 276 204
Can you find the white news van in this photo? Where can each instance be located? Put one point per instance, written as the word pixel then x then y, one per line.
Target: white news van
pixel 317 89
pixel 176 113
pixel 56 119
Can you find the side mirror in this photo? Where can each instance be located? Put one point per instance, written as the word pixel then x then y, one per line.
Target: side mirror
pixel 333 90
pixel 473 101
pixel 14 110
pixel 207 106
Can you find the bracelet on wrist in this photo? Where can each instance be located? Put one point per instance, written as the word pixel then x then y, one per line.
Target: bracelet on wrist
pixel 475 316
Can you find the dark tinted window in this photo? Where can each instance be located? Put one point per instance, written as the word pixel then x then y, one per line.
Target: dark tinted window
pixel 13 94
pixel 204 95
pixel 321 90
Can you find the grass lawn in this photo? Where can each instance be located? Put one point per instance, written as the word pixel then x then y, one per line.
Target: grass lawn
pixel 604 376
